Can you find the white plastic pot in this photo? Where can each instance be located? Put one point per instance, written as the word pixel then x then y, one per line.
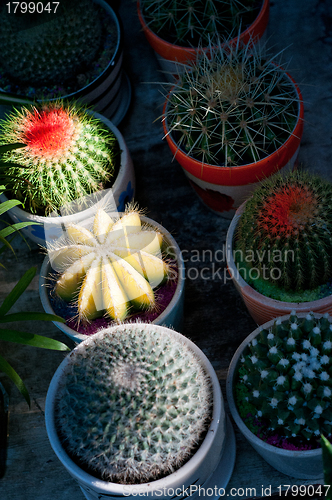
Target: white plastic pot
pixel 172 316
pixel 306 464
pixel 122 191
pixel 211 466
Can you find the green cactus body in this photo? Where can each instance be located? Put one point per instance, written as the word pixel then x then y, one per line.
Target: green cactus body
pixel 190 22
pixel 68 155
pixel 134 404
pixel 233 108
pixel 44 48
pixel 285 231
pixel 286 372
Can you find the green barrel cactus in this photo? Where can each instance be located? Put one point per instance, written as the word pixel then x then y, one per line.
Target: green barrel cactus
pixel 286 370
pixel 46 47
pixel 234 106
pixel 285 231
pixel 68 154
pixel 190 22
pixel 134 404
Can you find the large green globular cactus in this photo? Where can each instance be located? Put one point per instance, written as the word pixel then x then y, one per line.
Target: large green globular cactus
pixel 287 372
pixel 68 154
pixel 285 231
pixel 234 106
pixel 134 404
pixel 189 22
pixel 45 47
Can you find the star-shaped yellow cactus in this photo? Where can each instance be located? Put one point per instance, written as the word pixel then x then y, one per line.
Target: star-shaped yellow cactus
pixel 108 269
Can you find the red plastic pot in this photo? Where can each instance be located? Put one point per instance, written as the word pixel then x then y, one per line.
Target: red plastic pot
pixel 167 51
pixel 224 189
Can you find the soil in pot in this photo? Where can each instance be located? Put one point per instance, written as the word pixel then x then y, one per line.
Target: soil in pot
pixel 66 310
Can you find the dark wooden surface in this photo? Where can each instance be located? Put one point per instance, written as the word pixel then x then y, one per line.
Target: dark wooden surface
pixel 215 317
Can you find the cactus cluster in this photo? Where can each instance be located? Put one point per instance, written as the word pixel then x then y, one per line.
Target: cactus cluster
pixel 234 106
pixel 111 269
pixel 68 154
pixel 43 48
pixel 190 22
pixel 134 404
pixel 285 231
pixel 286 370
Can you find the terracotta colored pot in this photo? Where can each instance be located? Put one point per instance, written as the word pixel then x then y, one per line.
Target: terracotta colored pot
pixel 261 308
pixel 169 53
pixel 306 464
pixel 223 189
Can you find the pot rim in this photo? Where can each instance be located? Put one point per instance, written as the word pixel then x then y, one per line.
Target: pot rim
pixel 63 219
pixel 235 275
pixel 232 370
pixel 117 488
pixel 78 337
pixel 241 174
pixel 182 54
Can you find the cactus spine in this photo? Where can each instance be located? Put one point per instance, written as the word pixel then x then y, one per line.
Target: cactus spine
pixel 189 22
pixel 112 268
pixel 233 107
pixel 286 370
pixel 42 47
pixel 68 155
pixel 134 404
pixel 286 228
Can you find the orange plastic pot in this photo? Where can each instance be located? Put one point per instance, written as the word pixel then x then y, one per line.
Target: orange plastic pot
pixel 178 53
pixel 260 307
pixel 224 189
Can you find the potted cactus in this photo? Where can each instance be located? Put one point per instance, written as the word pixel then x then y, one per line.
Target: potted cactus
pixel 43 56
pixel 233 119
pixel 112 269
pixel 65 153
pixel 279 391
pixel 138 408
pixel 176 30
pixel 279 247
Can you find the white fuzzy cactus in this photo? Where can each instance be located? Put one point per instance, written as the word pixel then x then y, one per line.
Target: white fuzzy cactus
pixel 134 404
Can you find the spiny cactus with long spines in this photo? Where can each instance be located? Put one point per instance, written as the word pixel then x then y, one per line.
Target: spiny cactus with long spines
pixel 112 268
pixel 287 372
pixel 234 106
pixel 47 47
pixel 285 231
pixel 134 404
pixel 190 22
pixel 68 154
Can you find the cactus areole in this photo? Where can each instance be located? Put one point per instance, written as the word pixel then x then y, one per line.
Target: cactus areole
pixel 284 381
pixel 133 404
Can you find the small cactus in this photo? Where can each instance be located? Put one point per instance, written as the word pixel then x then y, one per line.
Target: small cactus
pixel 287 372
pixel 134 404
pixel 68 155
pixel 111 268
pixel 234 106
pixel 286 229
pixel 42 47
pixel 190 22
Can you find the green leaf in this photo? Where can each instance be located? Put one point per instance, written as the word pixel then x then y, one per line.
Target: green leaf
pixel 8 370
pixel 9 147
pixel 327 464
pixel 31 339
pixel 7 205
pixel 30 316
pixel 12 99
pixel 17 291
pixel 12 228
